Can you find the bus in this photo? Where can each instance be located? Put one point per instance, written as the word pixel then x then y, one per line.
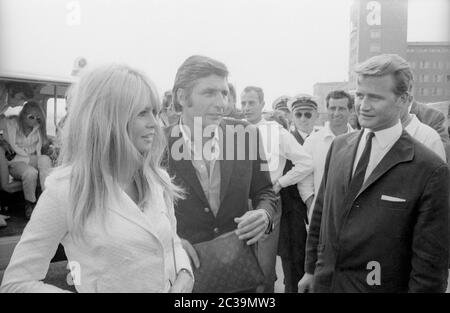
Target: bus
pixel 50 93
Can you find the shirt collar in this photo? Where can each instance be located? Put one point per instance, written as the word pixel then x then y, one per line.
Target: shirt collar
pixel 413 124
pixel 329 132
pixel 388 135
pixel 185 133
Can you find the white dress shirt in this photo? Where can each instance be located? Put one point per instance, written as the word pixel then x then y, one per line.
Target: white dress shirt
pixel 427 136
pixel 317 145
pixel 279 146
pixel 382 142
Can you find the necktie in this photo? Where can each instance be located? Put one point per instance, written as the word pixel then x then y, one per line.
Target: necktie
pixel 360 172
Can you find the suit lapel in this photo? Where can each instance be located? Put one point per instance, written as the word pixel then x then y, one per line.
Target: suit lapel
pixel 127 209
pixel 401 151
pixel 185 170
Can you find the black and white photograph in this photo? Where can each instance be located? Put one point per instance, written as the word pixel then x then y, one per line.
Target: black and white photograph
pixel 238 149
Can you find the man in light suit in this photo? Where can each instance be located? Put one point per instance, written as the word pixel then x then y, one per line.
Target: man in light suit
pixel 380 223
pixel 434 119
pixel 217 186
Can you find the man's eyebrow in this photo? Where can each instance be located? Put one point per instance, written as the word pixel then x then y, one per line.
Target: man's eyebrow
pixel 374 95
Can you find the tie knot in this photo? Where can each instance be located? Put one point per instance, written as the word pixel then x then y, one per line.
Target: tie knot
pixel 369 136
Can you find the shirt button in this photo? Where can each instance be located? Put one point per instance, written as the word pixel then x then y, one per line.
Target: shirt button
pixel 216 230
pixel 206 210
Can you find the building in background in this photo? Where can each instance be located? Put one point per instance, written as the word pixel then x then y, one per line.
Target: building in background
pixel 380 26
pixel 430 62
pixel 376 27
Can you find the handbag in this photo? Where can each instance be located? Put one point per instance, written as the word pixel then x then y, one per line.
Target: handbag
pixel 227 265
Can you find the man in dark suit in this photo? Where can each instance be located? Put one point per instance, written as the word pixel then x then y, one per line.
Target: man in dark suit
pixel 217 161
pixel 380 223
pixel 434 119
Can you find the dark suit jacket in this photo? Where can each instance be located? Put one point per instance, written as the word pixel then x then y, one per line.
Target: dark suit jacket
pixel 410 240
pixel 434 119
pixel 241 179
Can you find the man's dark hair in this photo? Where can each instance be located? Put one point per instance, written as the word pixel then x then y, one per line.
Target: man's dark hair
pixel 340 94
pixel 194 68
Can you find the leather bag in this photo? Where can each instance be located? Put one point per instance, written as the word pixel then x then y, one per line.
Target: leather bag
pixel 227 265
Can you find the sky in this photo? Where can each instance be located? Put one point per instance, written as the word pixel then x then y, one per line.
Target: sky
pixel 283 46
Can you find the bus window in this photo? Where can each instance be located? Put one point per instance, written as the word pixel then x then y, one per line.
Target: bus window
pixel 60 113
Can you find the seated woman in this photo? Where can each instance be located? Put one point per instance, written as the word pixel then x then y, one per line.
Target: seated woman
pixel 27 135
pixel 110 203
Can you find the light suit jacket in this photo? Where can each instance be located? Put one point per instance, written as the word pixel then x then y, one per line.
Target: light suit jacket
pixel 125 253
pixel 434 119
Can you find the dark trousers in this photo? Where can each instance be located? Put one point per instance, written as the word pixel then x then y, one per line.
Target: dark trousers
pixel 293 272
pixel 292 242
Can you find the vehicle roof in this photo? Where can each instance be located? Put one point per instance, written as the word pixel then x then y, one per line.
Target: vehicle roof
pixel 29 78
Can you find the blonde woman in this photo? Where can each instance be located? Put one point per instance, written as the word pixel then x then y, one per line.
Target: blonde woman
pixel 109 203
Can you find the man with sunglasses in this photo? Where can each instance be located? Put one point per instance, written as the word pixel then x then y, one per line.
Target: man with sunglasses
pixel 294 215
pixel 304 115
pixel 339 107
pixel 280 146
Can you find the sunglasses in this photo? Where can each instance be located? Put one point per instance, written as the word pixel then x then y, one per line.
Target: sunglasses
pixel 308 115
pixel 32 117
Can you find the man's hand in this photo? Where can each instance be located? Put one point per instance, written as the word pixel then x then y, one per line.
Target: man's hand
pixel 183 283
pixel 191 253
pixel 305 284
pixel 252 225
pixel 277 187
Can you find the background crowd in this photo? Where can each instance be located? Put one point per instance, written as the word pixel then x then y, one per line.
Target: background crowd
pixel 370 185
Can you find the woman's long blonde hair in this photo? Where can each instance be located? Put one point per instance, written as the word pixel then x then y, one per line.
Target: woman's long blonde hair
pixel 97 144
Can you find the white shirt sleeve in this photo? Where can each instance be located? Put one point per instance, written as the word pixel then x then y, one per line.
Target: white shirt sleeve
pixel 37 246
pixel 301 172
